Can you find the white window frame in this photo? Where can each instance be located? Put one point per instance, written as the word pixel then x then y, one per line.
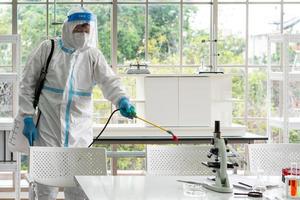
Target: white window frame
pixel 14 75
pixel 213 32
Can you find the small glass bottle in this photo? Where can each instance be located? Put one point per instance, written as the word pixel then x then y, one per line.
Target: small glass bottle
pixel 293 183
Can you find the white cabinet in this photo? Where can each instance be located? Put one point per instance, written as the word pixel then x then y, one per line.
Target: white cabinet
pixel 283 85
pixel 162 100
pixel 194 101
pixel 188 100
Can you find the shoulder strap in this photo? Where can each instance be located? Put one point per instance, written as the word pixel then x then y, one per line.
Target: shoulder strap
pixel 50 55
pixel 40 82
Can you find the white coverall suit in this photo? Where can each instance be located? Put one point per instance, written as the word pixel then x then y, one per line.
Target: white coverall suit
pixel 66 99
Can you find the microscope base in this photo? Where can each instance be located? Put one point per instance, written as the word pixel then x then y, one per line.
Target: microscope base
pixel 217 188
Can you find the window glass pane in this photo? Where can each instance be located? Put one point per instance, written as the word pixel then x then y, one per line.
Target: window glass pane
pixel 263 20
pixel 55 24
pixel 131 1
pixel 65 1
pixel 291 1
pixel 291 18
pixel 257 85
pixel 164 1
pixel 31 0
pixel 98 1
pixel 196 28
pixel 163 44
pixel 276 99
pixel 238 90
pixel 32 27
pixel 231 0
pixel 6 57
pixel 238 108
pixel 190 70
pixel 126 165
pixel 275 56
pixel 102 111
pixel 260 1
pixel 102 108
pixel 294 136
pixel 239 121
pixel 6 19
pixel 103 13
pixel 231 34
pixel 164 70
pixel 238 81
pixel 294 56
pixel 6 99
pixel 130 86
pixel 294 99
pixel 131 163
pixel 131 33
pixel 257 126
pixel 196 1
pixel 276 135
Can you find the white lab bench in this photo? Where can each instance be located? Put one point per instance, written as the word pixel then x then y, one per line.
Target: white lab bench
pixel 161 187
pixel 138 134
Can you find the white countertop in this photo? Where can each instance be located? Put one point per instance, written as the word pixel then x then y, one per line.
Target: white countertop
pixel 160 188
pixel 141 130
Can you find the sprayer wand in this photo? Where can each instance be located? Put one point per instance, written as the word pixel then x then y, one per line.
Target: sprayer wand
pixel 174 137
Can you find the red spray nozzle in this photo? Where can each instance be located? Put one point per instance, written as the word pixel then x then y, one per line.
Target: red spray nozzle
pixel 174 137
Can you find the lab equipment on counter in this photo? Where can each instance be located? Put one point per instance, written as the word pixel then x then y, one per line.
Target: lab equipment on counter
pixel 245 186
pixel 292 182
pixel 251 194
pixel 220 165
pixel 292 187
pixel 287 172
pixel 194 190
pixel 138 69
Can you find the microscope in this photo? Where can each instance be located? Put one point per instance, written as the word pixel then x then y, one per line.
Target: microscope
pixel 220 165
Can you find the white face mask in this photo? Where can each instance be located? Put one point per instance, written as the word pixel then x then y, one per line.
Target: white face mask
pixel 81 40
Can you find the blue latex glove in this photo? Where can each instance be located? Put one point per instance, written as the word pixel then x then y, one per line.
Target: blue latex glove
pixel 29 130
pixel 126 108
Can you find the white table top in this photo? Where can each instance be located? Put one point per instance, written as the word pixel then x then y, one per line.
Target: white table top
pixel 161 188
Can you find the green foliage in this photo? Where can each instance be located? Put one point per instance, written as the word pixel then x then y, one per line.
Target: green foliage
pixel 6 17
pixel 294 136
pixel 257 93
pixel 164 34
pixel 131 30
pixel 231 50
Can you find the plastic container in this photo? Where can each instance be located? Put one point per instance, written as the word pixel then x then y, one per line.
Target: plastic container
pixel 194 190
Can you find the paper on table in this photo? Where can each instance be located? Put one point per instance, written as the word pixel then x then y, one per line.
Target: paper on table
pixel 17 142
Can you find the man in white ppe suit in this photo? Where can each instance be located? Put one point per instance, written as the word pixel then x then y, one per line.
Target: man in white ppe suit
pixel 66 101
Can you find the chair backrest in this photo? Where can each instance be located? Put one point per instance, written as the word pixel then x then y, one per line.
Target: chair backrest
pixel 57 166
pixel 271 158
pixel 181 160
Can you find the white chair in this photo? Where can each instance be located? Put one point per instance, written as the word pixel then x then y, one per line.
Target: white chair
pixel 57 166
pixel 179 160
pixel 271 158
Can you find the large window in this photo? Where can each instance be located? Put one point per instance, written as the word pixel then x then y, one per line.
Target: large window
pixel 172 37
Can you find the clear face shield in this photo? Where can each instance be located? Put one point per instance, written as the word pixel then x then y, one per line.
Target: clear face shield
pixel 80 29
